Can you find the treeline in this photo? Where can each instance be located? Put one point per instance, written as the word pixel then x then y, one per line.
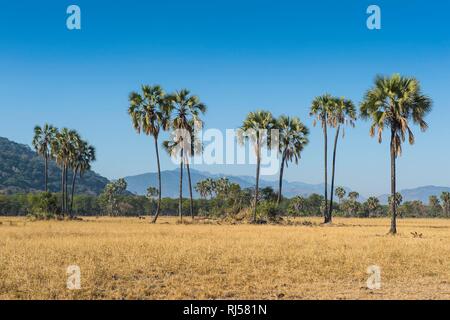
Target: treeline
pixel 229 202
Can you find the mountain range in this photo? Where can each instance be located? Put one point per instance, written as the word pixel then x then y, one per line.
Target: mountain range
pixel 170 187
pixel 420 193
pixel 22 170
pixel 138 184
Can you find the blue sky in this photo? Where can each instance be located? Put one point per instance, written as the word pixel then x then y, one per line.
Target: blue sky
pixel 237 56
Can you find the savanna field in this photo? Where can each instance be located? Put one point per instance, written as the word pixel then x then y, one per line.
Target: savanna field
pixel 129 258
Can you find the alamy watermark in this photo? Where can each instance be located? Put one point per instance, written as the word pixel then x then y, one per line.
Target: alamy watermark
pixel 374 280
pixel 374 20
pixel 73 277
pixel 73 21
pixel 235 146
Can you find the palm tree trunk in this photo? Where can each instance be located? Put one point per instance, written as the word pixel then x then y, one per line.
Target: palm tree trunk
pixel 46 173
pixel 66 189
pixel 73 190
pixel 258 162
pixel 280 183
pixel 330 215
pixel 62 189
pixel 180 200
pixel 325 212
pixel 191 201
pixel 158 208
pixel 393 229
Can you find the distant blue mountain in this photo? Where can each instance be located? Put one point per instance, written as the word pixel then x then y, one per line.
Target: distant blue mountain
pixel 170 183
pixel 420 193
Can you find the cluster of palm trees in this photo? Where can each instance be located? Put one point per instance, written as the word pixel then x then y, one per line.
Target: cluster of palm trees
pixel 70 152
pixel 153 111
pixel 291 137
pixel 392 104
pixel 331 112
pixel 445 197
pixel 210 187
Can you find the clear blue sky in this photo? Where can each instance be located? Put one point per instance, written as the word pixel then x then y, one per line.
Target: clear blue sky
pixel 237 56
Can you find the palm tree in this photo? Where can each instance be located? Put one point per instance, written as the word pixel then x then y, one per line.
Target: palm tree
pixel 293 137
pixel 83 156
pixel 320 109
pixel 202 188
pixel 195 147
pixel 149 115
pixel 392 103
pixel 172 148
pixel 342 111
pixel 256 128
pixel 43 139
pixel 152 193
pixel 398 199
pixel 445 197
pixel 340 193
pixel 372 204
pixel 435 205
pixel 353 195
pixel 205 187
pixel 211 187
pixel 187 109
pixel 62 149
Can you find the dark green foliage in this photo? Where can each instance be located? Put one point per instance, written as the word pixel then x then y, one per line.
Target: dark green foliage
pixel 43 205
pixel 132 205
pixel 268 211
pixel 22 170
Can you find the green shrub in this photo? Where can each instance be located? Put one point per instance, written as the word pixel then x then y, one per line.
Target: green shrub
pixel 267 210
pixel 43 206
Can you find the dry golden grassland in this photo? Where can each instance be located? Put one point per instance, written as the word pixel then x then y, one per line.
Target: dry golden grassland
pixel 128 258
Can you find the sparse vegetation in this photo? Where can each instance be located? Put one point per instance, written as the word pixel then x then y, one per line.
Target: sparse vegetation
pixel 127 258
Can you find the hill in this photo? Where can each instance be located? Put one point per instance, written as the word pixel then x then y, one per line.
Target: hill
pixel 22 170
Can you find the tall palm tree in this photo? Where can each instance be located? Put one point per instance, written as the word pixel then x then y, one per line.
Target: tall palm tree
pixel 43 139
pixel 83 156
pixel 149 115
pixel 202 188
pixel 186 109
pixel 392 103
pixel 293 137
pixel 62 149
pixel 342 112
pixel 320 109
pixel 195 147
pixel 172 147
pixel 257 128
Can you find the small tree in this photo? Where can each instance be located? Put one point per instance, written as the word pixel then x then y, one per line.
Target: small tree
pixel 110 196
pixel 340 193
pixel 152 194
pixel 435 205
pixel 353 195
pixel 372 205
pixel 397 201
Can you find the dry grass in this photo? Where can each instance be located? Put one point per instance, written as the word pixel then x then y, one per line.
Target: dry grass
pixel 127 258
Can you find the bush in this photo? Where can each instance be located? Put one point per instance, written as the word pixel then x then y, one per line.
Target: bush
pixel 267 210
pixel 43 206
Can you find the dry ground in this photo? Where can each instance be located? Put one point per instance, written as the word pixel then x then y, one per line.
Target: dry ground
pixel 128 258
